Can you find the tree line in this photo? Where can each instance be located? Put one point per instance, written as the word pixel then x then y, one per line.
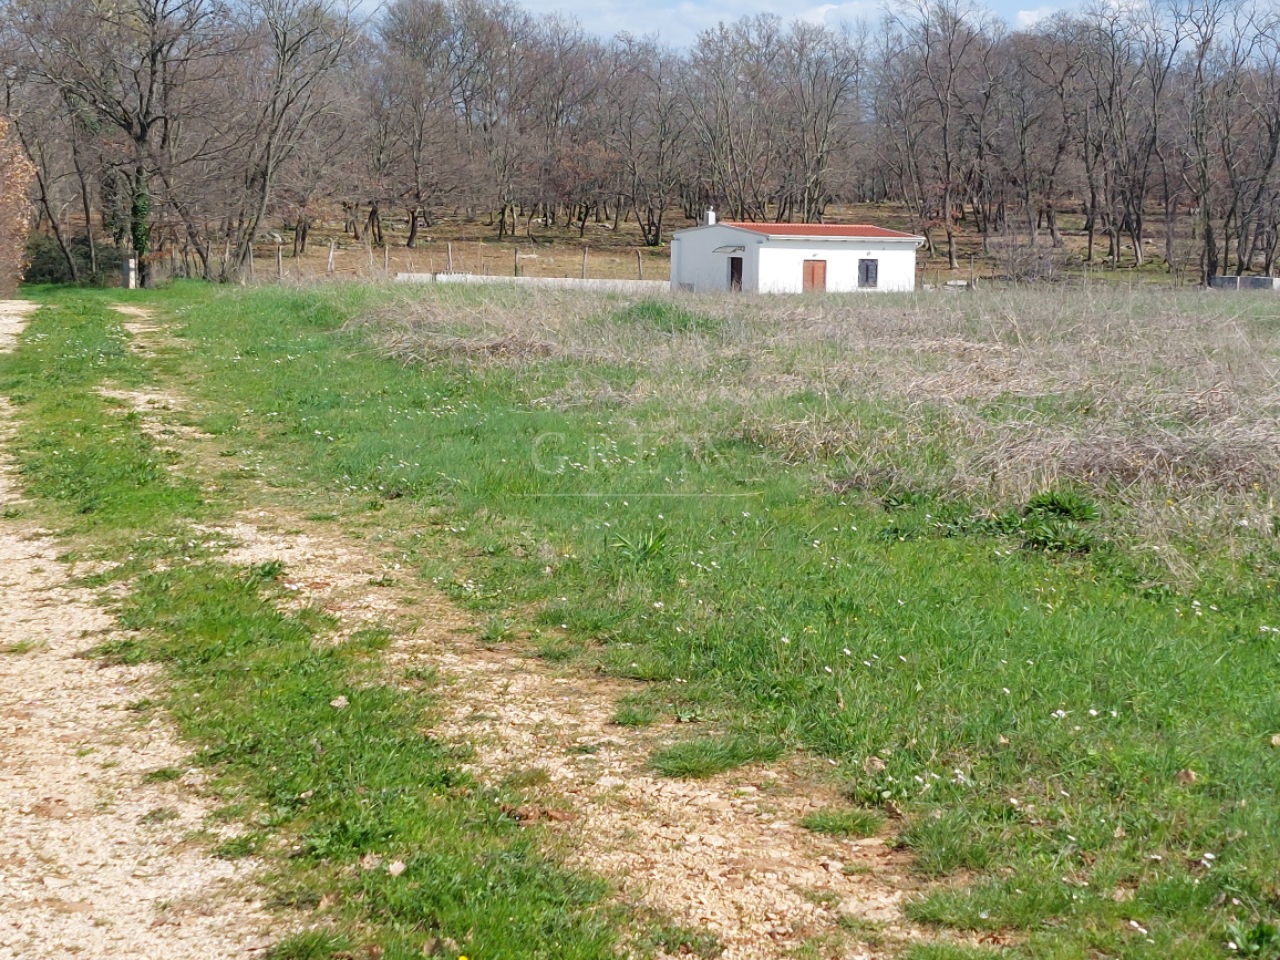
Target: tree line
pixel 187 128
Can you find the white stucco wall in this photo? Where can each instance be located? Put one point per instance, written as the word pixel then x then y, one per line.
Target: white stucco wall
pixel 776 265
pixel 782 264
pixel 694 264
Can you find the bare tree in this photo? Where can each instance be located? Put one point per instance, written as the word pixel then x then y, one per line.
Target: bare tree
pixel 947 38
pixel 820 72
pixel 733 105
pixel 144 67
pixel 296 44
pixel 644 119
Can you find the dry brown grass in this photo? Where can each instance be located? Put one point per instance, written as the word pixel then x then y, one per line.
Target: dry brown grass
pixel 1163 402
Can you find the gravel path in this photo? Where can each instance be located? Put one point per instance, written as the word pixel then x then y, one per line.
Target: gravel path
pixel 94 863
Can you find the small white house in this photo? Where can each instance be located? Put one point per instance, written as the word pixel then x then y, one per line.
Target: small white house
pixel 791 257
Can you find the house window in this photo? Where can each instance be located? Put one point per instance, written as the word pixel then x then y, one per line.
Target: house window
pixel 868 273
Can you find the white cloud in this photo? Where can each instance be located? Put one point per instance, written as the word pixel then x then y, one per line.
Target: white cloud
pixel 1029 18
pixel 816 14
pixel 850 11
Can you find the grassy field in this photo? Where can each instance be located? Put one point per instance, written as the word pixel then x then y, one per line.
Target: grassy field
pixel 1007 559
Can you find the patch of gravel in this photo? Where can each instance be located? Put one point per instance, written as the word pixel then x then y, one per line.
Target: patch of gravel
pixel 13 318
pixel 726 853
pixel 155 416
pixel 141 327
pixel 94 862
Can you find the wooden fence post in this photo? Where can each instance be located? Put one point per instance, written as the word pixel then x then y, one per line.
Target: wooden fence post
pixel 584 261
pixel 328 269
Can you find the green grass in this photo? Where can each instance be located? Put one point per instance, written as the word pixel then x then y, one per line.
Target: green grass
pixel 19 647
pixel 754 519
pixel 76 447
pixel 844 822
pixel 634 715
pixel 707 756
pixel 311 945
pixel 947 951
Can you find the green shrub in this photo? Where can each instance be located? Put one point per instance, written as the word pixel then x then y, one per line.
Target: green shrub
pixel 1064 504
pixel 46 263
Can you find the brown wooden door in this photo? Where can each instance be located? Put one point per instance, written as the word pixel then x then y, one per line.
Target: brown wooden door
pixel 815 276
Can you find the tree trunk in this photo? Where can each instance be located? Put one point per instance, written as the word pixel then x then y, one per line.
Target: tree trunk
pixel 412 241
pixel 1211 265
pixel 300 233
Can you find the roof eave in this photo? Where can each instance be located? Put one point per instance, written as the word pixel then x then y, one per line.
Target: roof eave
pixel 721 226
pixel 827 238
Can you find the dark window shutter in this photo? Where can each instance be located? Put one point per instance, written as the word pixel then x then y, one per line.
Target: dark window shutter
pixel 868 273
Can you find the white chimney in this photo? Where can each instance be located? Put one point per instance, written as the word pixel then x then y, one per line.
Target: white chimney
pixel 711 216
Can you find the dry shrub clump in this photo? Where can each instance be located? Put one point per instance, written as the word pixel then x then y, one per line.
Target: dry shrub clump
pixel 807 440
pixel 1231 458
pixel 454 324
pixel 16 176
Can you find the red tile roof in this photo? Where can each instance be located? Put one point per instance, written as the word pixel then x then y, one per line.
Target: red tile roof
pixel 853 231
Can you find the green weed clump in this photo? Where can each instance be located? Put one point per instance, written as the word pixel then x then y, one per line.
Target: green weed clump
pixel 667 316
pixel 708 756
pixel 844 822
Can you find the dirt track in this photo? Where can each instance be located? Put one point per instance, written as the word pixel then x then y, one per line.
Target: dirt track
pixel 93 861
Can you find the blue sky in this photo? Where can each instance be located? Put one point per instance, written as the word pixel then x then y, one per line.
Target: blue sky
pixel 678 22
